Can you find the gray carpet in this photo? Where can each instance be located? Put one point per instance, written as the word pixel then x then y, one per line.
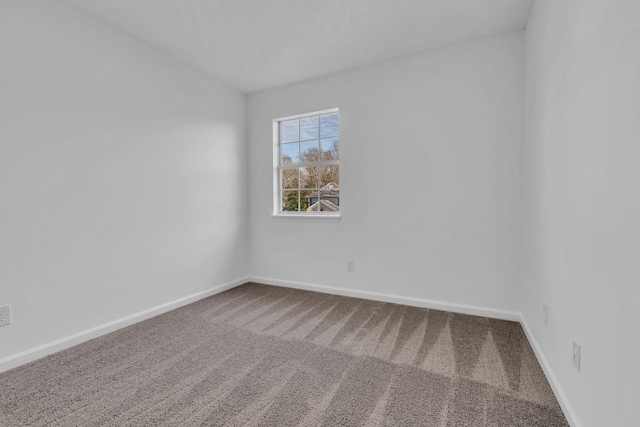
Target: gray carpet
pixel 259 355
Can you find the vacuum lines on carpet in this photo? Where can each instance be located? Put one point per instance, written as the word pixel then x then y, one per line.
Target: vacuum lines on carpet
pixel 259 355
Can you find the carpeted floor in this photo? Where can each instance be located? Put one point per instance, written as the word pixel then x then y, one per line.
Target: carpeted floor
pixel 259 355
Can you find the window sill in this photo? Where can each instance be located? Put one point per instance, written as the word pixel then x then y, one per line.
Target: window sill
pixel 307 218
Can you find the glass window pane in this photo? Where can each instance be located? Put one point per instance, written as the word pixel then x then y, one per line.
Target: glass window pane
pixel 330 177
pixel 309 178
pixel 289 178
pixel 329 125
pixel 290 201
pixel 330 148
pixel 305 200
pixel 310 128
pixel 289 153
pixel 309 151
pixel 289 130
pixel 329 200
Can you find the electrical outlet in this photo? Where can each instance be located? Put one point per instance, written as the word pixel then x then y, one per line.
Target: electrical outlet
pixel 577 350
pixel 5 315
pixel 351 265
pixel 545 314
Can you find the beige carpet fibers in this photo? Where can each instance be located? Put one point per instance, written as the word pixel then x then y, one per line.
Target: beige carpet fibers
pixel 259 355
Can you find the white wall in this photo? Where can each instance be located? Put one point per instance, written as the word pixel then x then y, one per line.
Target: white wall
pixel 582 200
pixel 430 190
pixel 122 176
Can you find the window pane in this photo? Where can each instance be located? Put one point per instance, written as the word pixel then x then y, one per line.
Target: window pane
pixel 289 178
pixel 309 178
pixel 305 197
pixel 289 201
pixel 309 151
pixel 329 201
pixel 330 177
pixel 329 125
pixel 310 128
pixel 330 148
pixel 289 130
pixel 289 153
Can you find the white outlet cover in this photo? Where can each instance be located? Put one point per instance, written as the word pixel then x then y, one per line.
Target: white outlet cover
pixel 351 265
pixel 5 315
pixel 577 355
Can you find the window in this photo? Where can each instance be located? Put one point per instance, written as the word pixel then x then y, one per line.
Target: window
pixel 307 160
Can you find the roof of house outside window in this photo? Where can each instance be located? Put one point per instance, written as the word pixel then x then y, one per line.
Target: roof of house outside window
pixel 325 206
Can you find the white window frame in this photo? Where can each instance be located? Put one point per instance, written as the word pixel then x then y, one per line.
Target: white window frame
pixel 277 197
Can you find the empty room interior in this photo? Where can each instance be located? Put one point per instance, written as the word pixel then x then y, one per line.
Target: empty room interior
pixel 306 212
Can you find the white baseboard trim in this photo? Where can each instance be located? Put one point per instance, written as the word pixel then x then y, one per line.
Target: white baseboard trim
pixel 396 299
pixel 35 353
pixel 561 396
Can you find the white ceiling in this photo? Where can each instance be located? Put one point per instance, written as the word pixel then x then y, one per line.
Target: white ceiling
pixel 260 44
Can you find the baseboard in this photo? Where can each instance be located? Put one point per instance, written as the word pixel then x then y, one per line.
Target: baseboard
pixel 397 299
pixel 35 353
pixel 561 396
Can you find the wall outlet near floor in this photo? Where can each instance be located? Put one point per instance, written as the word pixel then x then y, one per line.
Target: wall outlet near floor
pixel 351 265
pixel 5 315
pixel 545 314
pixel 577 350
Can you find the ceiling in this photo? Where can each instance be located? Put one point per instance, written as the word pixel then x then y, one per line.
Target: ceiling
pixel 259 44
